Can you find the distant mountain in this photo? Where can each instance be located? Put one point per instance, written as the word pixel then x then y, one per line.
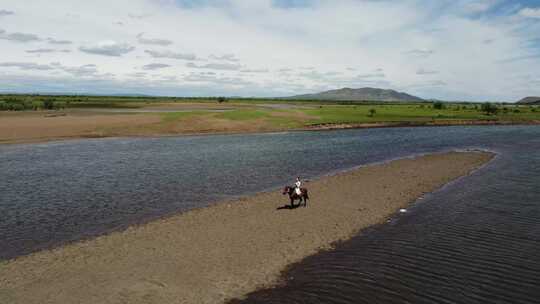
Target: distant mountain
pixel 530 100
pixel 363 94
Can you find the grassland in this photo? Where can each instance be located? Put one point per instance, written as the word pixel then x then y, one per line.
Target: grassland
pixel 101 116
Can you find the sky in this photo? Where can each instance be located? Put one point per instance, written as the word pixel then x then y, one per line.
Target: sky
pixel 473 50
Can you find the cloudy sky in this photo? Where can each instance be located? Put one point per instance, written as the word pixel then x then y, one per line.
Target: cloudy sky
pixel 455 49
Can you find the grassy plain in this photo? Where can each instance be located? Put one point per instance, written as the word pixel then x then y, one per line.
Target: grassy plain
pixel 101 116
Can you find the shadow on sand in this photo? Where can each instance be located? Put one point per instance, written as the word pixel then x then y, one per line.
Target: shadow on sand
pixel 289 207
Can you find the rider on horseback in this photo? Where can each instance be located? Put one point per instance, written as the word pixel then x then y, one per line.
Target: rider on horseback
pixel 298 184
pixel 296 193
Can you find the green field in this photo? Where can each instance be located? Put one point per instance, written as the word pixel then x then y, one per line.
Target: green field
pixel 360 114
pixel 416 113
pixel 279 113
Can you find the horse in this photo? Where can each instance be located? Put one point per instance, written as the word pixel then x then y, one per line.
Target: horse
pixel 294 196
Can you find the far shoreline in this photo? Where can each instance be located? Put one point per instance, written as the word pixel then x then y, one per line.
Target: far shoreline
pixel 312 128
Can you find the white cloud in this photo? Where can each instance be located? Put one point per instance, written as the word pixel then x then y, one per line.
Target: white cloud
pixel 377 74
pixel 87 70
pixel 422 71
pixel 108 48
pixel 215 66
pixel 155 66
pixel 153 41
pixel 4 12
pixel 479 6
pixel 55 41
pixel 170 55
pixel 420 52
pixel 18 37
pixel 26 66
pixel 214 79
pixel 137 74
pixel 254 71
pixel 45 51
pixel 139 16
pixel 41 51
pixel 431 83
pixel 482 49
pixel 226 57
pixel 530 12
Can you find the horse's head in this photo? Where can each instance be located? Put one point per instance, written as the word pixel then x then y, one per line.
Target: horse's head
pixel 286 190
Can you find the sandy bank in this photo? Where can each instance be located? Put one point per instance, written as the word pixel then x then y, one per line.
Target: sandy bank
pixel 402 124
pixel 33 127
pixel 212 254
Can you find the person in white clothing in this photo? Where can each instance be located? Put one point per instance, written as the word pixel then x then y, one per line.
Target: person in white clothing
pixel 298 184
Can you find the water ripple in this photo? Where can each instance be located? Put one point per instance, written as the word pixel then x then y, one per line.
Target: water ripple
pixel 475 241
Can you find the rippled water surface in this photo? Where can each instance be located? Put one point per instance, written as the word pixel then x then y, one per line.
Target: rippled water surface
pixel 475 241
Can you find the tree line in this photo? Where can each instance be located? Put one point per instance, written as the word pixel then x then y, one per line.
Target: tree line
pixel 18 104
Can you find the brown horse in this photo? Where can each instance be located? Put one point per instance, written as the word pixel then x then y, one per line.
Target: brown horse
pixel 293 196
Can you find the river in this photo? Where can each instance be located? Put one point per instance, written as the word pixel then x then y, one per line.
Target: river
pixel 476 240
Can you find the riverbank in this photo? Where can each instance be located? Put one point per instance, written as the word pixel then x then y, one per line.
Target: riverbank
pixel 43 128
pixel 213 254
pixel 197 118
pixel 439 123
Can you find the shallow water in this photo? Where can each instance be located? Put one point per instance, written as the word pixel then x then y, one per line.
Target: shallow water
pixel 477 240
pixel 58 192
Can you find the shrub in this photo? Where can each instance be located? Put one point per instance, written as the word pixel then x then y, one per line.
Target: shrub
pixel 37 105
pixel 14 104
pixel 516 110
pixel 533 110
pixel 438 105
pixel 48 103
pixel 221 99
pixel 489 108
pixel 372 112
pixel 59 105
pixel 17 107
pixel 11 100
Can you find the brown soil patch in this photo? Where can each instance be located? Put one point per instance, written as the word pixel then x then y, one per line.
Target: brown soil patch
pixel 38 127
pixel 191 106
pixel 207 123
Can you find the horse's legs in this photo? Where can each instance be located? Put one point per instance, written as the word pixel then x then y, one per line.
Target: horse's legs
pixel 305 201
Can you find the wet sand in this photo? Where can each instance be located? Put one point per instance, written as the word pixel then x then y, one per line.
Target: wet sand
pixel 224 251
